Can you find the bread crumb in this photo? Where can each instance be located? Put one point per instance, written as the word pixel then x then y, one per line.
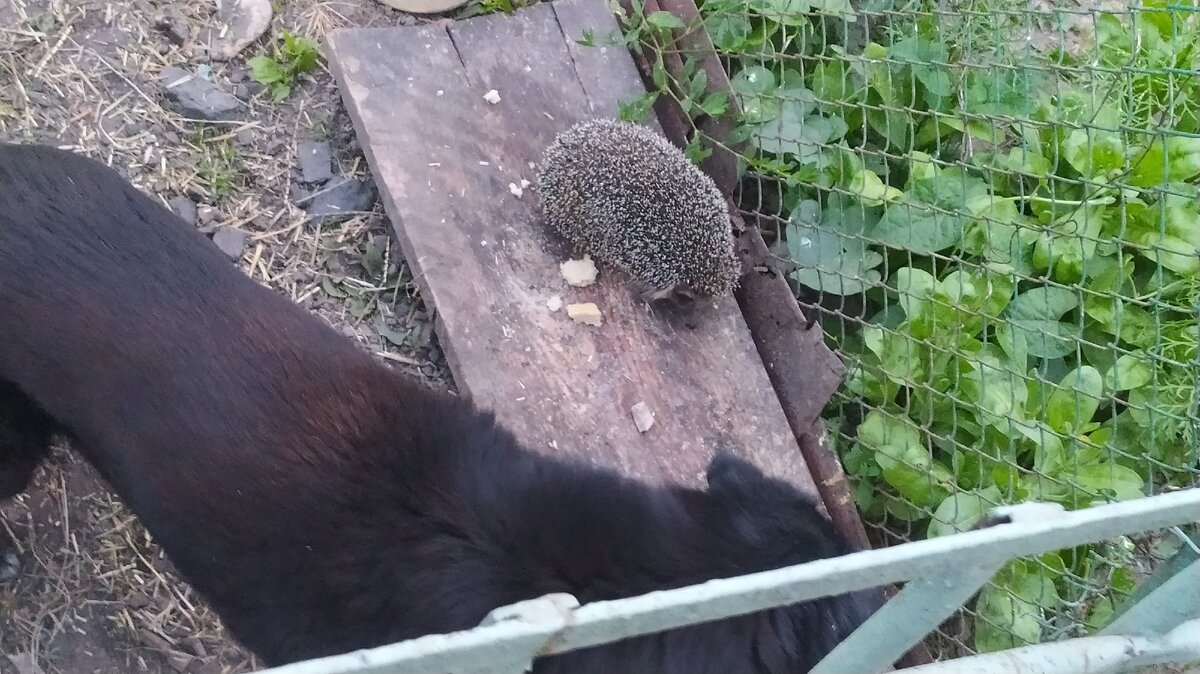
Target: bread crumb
pixel 492 97
pixel 585 312
pixel 643 418
pixel 515 190
pixel 579 273
pixel 554 303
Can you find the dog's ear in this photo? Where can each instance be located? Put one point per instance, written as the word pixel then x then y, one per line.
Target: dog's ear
pixel 734 479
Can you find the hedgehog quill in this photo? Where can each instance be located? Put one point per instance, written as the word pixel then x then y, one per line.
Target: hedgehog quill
pixel 624 194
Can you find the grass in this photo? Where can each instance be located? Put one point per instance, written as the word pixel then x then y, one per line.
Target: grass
pixel 219 166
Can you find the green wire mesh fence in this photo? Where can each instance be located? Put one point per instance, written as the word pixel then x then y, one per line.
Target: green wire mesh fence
pixel 992 208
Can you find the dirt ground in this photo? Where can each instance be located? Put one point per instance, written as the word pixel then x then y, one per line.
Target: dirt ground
pixel 94 594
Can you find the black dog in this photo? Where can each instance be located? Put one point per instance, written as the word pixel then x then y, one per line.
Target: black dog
pixel 320 501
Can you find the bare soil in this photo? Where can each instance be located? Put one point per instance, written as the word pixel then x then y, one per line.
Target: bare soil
pixel 94 593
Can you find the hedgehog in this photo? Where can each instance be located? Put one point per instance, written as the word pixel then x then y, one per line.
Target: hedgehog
pixel 624 194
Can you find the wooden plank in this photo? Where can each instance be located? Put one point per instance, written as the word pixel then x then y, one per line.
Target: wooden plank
pixel 444 158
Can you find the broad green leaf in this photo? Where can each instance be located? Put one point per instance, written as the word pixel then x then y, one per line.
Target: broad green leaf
pixel 1012 342
pixel 829 248
pixel 795 132
pixel 1123 319
pixel 894 125
pixel 1095 153
pixel 756 92
pixel 729 30
pixel 914 286
pixel 1131 371
pixel 1107 480
pixel 921 167
pixel 1075 401
pixel 1004 621
pixel 1037 313
pixel 1172 252
pixel 903 359
pixel 841 9
pixel 791 12
pixel 933 214
pixel 907 465
pixel 1173 159
pixel 664 20
pixel 1012 608
pixel 879 430
pixel 838 83
pixel 927 59
pixel 996 389
pixel 866 185
pixel 999 93
pixel 919 228
pixel 265 70
pixel 959 512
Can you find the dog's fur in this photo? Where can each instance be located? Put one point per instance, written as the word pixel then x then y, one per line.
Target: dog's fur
pixel 320 501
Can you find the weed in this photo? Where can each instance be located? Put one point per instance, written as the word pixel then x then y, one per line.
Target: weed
pixel 279 72
pixel 218 163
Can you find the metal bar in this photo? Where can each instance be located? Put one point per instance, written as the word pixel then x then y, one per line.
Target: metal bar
pixel 604 622
pixel 1175 600
pixel 1085 655
pixel 916 611
pixel 601 622
pixel 506 642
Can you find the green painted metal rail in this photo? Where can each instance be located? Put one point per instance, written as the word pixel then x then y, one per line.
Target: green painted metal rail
pixel 940 573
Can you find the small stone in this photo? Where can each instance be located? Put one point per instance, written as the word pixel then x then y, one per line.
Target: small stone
pixel 207 214
pixel 10 565
pixel 316 161
pixel 342 200
pixel 300 194
pixel 196 97
pixel 231 241
pixel 246 20
pixel 247 90
pixel 184 208
pixel 643 417
pixel 244 137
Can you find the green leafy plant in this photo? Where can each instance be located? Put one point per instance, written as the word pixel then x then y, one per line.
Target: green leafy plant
pixel 280 70
pixel 1023 238
pixel 652 34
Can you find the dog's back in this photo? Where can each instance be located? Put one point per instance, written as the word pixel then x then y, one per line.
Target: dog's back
pixel 320 501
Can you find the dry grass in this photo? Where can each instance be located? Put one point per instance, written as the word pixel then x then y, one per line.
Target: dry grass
pixel 95 594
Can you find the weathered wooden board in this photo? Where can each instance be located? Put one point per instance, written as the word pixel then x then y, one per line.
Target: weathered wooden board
pixel 444 159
